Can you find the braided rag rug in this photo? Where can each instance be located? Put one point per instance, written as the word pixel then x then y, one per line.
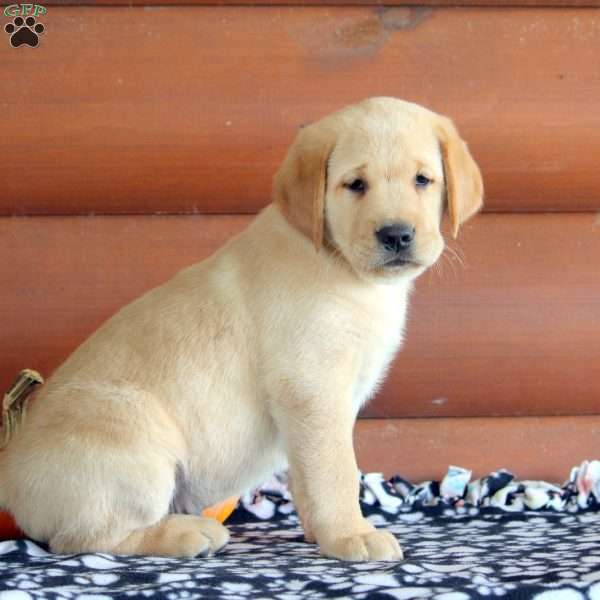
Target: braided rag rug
pixel 462 539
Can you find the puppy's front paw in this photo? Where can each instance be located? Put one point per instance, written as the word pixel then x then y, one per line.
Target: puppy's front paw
pixel 375 545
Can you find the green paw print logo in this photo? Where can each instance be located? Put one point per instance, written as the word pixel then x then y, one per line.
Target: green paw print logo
pixel 24 29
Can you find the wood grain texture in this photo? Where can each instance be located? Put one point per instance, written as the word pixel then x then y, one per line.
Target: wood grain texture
pixel 190 109
pixel 516 330
pixel 532 448
pixel 63 276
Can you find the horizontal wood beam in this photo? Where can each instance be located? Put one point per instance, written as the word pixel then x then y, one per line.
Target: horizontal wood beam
pixel 508 325
pixel 191 109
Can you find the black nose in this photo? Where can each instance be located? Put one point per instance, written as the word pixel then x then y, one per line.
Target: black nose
pixel 396 238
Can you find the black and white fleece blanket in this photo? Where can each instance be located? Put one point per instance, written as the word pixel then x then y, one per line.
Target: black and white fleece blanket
pixel 494 537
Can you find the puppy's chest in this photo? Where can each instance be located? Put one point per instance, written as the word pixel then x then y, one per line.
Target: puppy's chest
pixel 380 341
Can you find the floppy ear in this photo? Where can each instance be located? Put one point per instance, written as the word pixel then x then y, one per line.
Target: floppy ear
pixel 464 185
pixel 300 184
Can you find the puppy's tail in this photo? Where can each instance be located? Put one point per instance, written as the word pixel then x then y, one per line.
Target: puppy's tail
pixel 14 407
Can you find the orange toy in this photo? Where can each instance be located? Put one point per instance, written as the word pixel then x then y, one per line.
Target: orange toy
pixel 220 512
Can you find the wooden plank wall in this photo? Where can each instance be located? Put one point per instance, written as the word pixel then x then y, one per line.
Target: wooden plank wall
pixel 136 139
pixel 190 109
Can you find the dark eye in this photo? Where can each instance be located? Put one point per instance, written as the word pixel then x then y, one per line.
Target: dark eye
pixel 359 186
pixel 422 181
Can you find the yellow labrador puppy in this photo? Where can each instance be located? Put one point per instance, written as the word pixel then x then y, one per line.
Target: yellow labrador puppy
pixel 253 360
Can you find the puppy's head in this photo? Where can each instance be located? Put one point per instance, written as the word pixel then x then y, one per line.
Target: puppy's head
pixel 372 181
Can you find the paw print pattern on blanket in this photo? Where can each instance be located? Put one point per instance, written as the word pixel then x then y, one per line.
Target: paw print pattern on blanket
pixel 455 549
pixel 469 553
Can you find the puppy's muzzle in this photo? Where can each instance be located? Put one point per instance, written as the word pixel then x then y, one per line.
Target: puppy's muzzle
pixel 397 242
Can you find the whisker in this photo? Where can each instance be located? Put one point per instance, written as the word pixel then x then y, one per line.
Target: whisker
pixel 458 253
pixel 447 260
pixel 454 257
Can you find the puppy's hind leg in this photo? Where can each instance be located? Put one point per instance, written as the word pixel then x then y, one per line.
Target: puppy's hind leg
pixel 103 485
pixel 177 535
pixel 133 519
pixel 183 536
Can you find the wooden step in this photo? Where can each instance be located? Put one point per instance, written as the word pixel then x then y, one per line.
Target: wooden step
pixel 532 448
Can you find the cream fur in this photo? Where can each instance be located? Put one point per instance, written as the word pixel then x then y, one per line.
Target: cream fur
pixel 253 360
